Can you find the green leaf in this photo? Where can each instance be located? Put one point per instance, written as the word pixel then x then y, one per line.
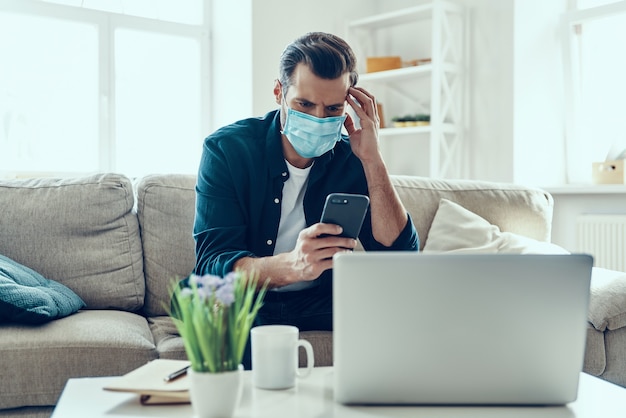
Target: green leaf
pixel 215 335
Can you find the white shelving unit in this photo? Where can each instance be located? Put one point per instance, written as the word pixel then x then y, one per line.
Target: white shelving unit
pixel 435 30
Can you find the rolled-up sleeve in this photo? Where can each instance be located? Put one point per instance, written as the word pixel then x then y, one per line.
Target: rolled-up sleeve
pixel 408 240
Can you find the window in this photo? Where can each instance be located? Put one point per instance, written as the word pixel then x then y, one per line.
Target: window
pixel 179 11
pixel 48 94
pixel 157 102
pixel 595 87
pixel 88 86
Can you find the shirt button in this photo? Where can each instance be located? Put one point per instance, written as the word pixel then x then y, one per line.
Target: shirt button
pixel 284 174
pixel 269 242
pixel 276 200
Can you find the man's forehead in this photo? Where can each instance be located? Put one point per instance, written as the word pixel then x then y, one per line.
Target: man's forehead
pixel 306 85
pixel 335 100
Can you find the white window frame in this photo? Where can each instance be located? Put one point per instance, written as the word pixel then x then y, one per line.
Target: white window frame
pixel 571 23
pixel 107 23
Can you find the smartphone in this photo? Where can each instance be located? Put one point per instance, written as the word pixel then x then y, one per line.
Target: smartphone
pixel 346 210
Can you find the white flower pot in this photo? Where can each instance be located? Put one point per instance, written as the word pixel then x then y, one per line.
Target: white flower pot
pixel 215 395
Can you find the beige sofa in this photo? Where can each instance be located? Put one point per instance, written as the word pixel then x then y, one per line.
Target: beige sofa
pixel 118 243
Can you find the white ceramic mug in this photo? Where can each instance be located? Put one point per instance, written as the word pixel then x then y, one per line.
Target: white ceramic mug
pixel 275 356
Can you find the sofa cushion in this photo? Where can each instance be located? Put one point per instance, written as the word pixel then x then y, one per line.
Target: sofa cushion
pixel 27 297
pixel 80 232
pixel 513 208
pixel 456 229
pixel 168 341
pixel 166 208
pixel 37 360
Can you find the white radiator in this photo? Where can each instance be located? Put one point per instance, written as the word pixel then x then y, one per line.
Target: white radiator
pixel 604 237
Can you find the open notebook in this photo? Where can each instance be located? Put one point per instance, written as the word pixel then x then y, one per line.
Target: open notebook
pixel 148 381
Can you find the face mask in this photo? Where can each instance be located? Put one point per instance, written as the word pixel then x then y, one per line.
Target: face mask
pixel 311 136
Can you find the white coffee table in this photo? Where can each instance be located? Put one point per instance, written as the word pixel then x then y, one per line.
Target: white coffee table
pixel 313 397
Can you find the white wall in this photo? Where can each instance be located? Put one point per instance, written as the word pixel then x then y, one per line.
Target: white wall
pixel 516 90
pixel 515 87
pixel 248 38
pixel 278 22
pixel 490 137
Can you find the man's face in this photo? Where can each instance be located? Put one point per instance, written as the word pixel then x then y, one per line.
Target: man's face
pixel 314 95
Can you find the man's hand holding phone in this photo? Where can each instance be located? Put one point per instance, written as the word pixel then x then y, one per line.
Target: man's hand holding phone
pixel 312 254
pixel 337 231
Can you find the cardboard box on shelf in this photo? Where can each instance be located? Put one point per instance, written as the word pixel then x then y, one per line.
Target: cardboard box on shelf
pixel 374 64
pixel 415 62
pixel 608 172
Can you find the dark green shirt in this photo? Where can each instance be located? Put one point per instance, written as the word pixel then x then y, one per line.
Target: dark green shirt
pixel 239 192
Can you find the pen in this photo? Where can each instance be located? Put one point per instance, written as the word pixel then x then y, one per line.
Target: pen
pixel 176 374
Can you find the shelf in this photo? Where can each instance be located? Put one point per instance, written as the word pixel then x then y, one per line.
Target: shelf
pixel 398 74
pixel 401 74
pixel 435 87
pixel 396 17
pixel 446 128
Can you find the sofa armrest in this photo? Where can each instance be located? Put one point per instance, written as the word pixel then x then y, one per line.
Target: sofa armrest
pixel 607 302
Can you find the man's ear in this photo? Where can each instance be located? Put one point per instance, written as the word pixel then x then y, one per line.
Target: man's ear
pixel 278 91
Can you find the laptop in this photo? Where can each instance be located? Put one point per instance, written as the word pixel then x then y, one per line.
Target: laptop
pixel 459 329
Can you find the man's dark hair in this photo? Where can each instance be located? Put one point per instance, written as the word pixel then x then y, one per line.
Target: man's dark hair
pixel 328 56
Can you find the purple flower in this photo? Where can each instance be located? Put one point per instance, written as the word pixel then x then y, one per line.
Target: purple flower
pixel 213 282
pixel 193 279
pixel 225 294
pixel 231 277
pixel 208 281
pixel 204 293
pixel 210 286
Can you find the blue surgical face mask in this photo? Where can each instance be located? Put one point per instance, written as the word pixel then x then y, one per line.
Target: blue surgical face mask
pixel 311 136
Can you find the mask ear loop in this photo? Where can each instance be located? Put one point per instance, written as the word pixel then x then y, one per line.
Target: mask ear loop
pixel 283 92
pixel 283 101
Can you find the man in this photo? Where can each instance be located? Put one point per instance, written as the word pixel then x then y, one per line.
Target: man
pixel 262 184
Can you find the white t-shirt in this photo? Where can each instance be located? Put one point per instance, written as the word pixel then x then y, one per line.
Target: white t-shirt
pixel 292 219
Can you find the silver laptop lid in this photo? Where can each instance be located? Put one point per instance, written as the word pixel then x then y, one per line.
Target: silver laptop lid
pixel 413 328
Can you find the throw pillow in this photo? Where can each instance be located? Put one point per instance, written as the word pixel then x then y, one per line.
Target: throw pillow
pixel 456 229
pixel 27 297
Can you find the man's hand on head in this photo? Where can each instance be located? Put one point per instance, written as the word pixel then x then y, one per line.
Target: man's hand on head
pixel 364 141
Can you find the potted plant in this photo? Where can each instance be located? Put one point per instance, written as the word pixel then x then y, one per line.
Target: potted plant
pixel 419 119
pixel 399 121
pixel 213 316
